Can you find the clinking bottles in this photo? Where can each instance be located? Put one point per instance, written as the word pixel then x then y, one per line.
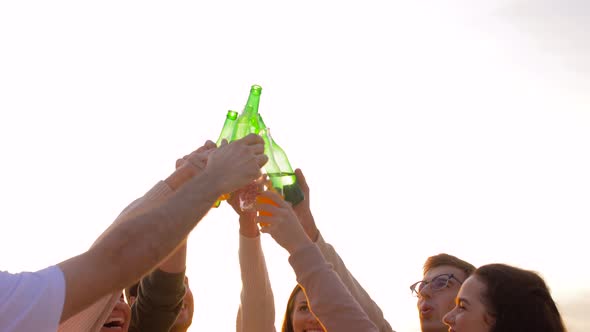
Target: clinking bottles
pixel 248 120
pixel 228 127
pixel 278 168
pixel 247 123
pixel 226 133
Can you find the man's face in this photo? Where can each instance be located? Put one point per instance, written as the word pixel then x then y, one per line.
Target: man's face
pixel 434 304
pixel 185 317
pixel 119 319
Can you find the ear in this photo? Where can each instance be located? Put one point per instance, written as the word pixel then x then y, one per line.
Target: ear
pixel 490 320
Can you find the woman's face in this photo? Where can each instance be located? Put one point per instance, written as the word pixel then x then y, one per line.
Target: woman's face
pixel 470 313
pixel 302 318
pixel 119 319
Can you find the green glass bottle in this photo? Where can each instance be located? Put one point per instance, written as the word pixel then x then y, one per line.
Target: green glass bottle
pixel 278 168
pixel 227 131
pixel 247 122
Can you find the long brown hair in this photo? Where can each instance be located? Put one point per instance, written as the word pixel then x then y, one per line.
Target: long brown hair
pixel 518 299
pixel 288 320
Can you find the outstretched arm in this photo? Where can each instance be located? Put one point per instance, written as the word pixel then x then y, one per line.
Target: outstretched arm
pixel 303 212
pixel 132 248
pixel 160 294
pixel 329 299
pixel 256 312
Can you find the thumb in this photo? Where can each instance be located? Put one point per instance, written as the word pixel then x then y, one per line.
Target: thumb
pixel 180 162
pixel 302 182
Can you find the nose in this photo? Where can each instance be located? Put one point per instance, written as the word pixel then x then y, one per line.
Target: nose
pixel 425 292
pixel 449 318
pixel 311 319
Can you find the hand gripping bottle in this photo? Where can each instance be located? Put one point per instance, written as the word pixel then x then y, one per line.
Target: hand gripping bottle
pixel 278 168
pixel 226 133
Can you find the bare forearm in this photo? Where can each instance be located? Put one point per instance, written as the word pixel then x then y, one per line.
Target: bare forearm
pixel 133 248
pixel 256 312
pixel 175 263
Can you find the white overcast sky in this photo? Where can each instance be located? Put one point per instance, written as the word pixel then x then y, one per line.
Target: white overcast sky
pixel 422 126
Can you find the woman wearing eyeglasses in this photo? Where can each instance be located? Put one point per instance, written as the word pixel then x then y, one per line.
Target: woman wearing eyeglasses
pixel 503 298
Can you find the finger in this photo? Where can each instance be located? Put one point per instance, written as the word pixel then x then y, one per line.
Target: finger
pixel 180 162
pixel 210 145
pixel 302 182
pixel 266 229
pixel 252 139
pixel 275 197
pixel 267 209
pixel 266 221
pixel 200 164
pixel 261 159
pixel 257 148
pixel 223 142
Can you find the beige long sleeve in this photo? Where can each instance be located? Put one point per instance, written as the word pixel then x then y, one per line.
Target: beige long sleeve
pixel 369 306
pixel 328 298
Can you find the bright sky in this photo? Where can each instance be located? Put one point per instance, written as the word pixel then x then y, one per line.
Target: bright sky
pixel 422 127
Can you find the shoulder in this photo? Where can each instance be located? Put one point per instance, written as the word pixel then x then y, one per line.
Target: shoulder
pixel 32 294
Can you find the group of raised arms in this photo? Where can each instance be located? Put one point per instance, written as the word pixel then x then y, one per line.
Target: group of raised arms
pixel 133 276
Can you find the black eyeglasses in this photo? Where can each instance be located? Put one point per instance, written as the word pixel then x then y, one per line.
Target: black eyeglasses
pixel 437 283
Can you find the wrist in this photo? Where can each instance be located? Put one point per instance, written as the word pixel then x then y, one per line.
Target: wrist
pixel 303 242
pixel 249 232
pixel 248 227
pixel 215 182
pixel 179 177
pixel 313 233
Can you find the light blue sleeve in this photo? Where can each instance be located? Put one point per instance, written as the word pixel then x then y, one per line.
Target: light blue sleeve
pixel 31 301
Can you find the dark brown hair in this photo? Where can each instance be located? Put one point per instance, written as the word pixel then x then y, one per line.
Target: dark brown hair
pixel 131 291
pixel 518 299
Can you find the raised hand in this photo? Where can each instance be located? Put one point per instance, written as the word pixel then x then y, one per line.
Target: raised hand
pixel 190 165
pixel 280 221
pixel 302 209
pixel 237 163
pixel 248 226
pixel 198 158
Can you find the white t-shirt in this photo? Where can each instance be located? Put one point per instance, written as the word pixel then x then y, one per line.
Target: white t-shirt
pixel 31 301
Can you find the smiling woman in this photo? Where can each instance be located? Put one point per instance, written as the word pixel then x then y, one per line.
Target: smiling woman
pixel 119 319
pixel 298 316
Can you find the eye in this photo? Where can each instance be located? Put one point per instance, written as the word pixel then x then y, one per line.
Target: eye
pixel 460 306
pixel 439 283
pixel 303 307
